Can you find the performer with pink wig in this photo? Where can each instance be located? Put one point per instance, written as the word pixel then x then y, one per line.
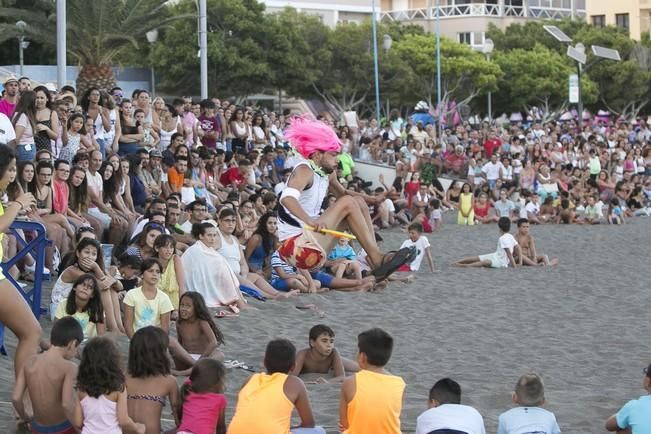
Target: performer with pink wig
pixel 300 205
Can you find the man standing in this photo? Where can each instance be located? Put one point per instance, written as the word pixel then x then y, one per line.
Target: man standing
pixel 8 103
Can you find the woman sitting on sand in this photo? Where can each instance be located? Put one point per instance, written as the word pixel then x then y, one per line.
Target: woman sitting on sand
pixel 211 275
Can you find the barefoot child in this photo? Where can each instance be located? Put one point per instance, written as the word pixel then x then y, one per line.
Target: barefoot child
pixel 149 381
pixel 101 406
pixel 203 404
pixel 322 357
pixel 266 401
pixel 371 400
pixel 84 305
pixel 529 416
pixel 526 254
pixel 341 260
pixel 503 257
pixel 196 330
pixel 420 241
pixel 49 378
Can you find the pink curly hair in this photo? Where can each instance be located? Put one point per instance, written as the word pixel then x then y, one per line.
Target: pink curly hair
pixel 309 136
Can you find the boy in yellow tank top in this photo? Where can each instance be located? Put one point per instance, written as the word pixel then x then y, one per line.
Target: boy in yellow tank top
pixel 265 403
pixel 371 400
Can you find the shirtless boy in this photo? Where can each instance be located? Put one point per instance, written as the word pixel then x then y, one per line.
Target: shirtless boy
pixel 322 357
pixel 528 247
pixel 50 377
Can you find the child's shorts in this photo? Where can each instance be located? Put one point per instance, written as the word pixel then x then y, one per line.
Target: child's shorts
pixel 280 285
pixel 495 262
pixel 324 278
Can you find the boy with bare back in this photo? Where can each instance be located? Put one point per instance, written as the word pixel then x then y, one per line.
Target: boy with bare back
pixel 528 247
pixel 322 357
pixel 49 378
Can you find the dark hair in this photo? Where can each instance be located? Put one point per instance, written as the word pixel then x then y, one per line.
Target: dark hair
pixel 200 229
pixel 418 227
pixel 7 155
pixel 151 226
pixel 226 212
pixel 67 88
pixel 150 262
pixel 66 330
pixel 504 223
pixel 164 240
pixel 178 158
pixel 100 370
pixel 94 307
pixel 134 161
pixel 74 116
pixel 78 198
pixel 133 261
pixel 445 391
pixel 148 353
pixel 530 390
pixel 111 185
pixel 85 242
pixel 377 345
pixel 522 221
pixel 268 240
pixel 202 313
pixel 207 376
pixel 207 104
pixel 320 329
pixel 279 356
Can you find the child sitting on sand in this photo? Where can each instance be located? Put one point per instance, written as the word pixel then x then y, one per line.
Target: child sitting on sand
pixel 49 378
pixel 196 330
pixel 615 213
pixel 422 245
pixel 445 411
pixel 371 400
pixel 635 415
pixel 529 416
pixel 203 404
pixel 341 260
pixel 503 257
pixel 266 401
pixel 322 357
pixel 526 254
pixel 592 213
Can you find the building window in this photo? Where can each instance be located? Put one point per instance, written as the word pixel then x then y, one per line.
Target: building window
pixel 465 38
pixel 621 21
pixel 598 20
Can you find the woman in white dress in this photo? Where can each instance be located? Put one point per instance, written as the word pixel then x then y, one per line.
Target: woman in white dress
pixel 208 271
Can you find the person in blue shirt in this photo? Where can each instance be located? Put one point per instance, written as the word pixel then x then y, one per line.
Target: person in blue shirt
pixel 342 260
pixel 635 415
pixel 528 416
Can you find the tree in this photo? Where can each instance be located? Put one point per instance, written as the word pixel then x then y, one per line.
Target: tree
pixel 537 78
pixel 36 14
pixel 237 44
pixel 465 73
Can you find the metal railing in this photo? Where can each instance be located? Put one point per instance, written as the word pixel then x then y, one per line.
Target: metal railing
pixel 35 247
pixel 479 10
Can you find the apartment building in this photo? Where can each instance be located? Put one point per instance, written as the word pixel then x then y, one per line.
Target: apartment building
pixel 466 21
pixel 331 12
pixel 633 16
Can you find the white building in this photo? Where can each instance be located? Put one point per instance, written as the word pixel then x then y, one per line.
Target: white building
pixel 331 13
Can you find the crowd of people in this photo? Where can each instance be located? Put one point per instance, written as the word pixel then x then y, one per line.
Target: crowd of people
pixel 159 212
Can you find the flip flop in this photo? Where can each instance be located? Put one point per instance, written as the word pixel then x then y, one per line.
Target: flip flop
pixel 401 257
pixel 226 314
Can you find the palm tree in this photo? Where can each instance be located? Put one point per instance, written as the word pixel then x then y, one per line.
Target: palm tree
pixel 98 31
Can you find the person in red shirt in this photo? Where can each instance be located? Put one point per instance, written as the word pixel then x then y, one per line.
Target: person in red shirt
pixel 456 162
pixel 491 144
pixel 237 177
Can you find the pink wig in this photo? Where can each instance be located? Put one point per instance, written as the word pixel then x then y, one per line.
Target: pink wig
pixel 309 136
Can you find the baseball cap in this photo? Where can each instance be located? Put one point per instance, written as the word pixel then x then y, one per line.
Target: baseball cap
pixel 155 153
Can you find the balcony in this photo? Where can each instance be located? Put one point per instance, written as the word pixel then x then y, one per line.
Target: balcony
pixel 482 10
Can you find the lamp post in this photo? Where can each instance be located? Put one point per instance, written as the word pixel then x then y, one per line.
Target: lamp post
pixel 375 63
pixel 61 43
pixel 579 70
pixel 387 41
pixel 152 37
pixel 203 47
pixel 438 69
pixel 487 49
pixel 22 44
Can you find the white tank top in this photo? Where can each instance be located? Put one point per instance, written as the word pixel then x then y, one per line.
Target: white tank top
pixel 310 200
pixel 231 252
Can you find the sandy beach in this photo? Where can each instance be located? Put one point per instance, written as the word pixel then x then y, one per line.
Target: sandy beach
pixel 583 325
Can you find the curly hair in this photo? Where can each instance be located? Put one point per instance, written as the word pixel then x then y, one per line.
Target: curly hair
pixel 100 370
pixel 148 353
pixel 202 313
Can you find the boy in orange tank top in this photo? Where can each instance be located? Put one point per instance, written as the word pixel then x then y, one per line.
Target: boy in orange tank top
pixel 371 400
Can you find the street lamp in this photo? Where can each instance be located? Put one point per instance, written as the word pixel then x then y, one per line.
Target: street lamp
pixel 487 49
pixel 22 43
pixel 387 41
pixel 152 37
pixel 577 53
pixel 375 63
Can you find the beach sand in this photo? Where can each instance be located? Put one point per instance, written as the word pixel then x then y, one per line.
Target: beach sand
pixel 582 325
